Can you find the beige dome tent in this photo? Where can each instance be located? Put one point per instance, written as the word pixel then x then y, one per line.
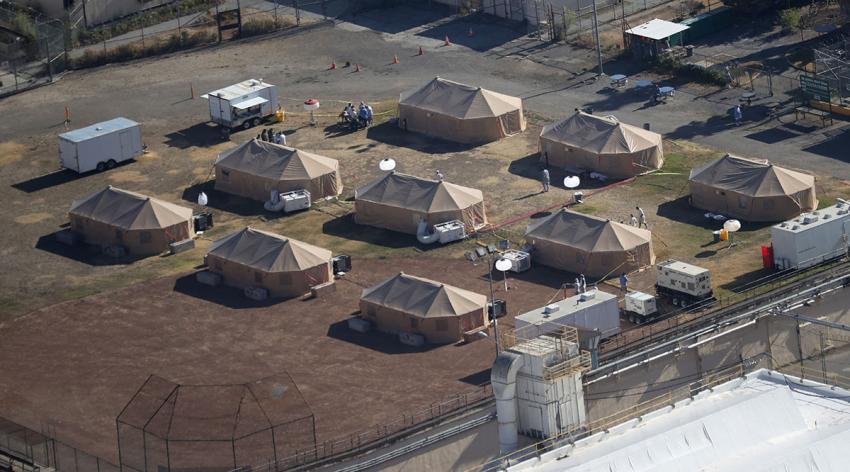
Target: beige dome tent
pixel 440 312
pixel 588 245
pixel 585 142
pixel 284 267
pixel 752 190
pixel 397 202
pixel 255 168
pixel 460 113
pixel 143 225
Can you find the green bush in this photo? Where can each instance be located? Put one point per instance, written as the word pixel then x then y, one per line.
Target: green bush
pixel 691 71
pixel 790 19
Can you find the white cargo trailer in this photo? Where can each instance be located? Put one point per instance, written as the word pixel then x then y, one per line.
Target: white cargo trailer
pixel 811 238
pixel 245 104
pixel 592 310
pixel 100 146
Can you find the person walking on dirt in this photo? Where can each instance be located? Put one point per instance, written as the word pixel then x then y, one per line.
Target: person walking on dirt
pixel 544 179
pixel 641 218
pixel 632 220
pixel 624 282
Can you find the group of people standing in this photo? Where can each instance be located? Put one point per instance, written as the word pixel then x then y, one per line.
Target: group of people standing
pixel 359 118
pixel 269 135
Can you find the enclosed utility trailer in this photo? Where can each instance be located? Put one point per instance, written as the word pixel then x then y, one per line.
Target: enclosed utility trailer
pixel 100 146
pixel 244 105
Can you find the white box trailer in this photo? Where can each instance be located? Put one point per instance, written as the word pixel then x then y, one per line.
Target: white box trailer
pixel 811 238
pixel 100 146
pixel 593 310
pixel 245 104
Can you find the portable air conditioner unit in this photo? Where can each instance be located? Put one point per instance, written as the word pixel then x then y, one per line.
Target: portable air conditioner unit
pixel 295 200
pixel 341 263
pixel 501 308
pixel 520 260
pixel 359 324
pixel 411 339
pixel 450 231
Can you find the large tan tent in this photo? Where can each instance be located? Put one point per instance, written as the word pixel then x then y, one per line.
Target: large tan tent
pixel 588 245
pixel 751 189
pixel 439 312
pixel 585 142
pixel 461 113
pixel 285 267
pixel 143 225
pixel 398 202
pixel 255 168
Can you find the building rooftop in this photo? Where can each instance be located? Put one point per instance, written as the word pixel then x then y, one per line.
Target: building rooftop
pixel 810 220
pixel 239 90
pixel 766 421
pixel 657 29
pixel 566 306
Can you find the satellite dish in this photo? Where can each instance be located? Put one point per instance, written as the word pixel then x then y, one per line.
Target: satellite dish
pixel 387 164
pixel 503 265
pixel 202 199
pixel 572 181
pixel 732 225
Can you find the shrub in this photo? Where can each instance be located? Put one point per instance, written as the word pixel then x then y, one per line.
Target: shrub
pixel 258 26
pixel 790 19
pixel 128 52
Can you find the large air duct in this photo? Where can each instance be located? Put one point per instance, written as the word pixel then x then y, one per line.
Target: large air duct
pixel 422 233
pixel 503 378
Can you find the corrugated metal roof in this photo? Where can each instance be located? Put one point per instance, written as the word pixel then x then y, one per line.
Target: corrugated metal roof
pixel 98 129
pixel 657 29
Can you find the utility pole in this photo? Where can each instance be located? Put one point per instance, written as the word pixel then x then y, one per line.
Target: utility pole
pixel 596 35
pixel 493 303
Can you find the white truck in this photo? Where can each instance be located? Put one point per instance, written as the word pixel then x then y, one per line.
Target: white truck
pixel 244 105
pixel 683 284
pixel 100 146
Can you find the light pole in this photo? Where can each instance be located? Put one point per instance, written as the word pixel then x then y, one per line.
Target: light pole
pixel 596 35
pixel 493 303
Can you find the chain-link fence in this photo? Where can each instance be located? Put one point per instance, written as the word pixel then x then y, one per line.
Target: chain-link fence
pixel 34 50
pixel 25 449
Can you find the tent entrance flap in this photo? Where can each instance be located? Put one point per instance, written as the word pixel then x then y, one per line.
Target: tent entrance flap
pixel 251 102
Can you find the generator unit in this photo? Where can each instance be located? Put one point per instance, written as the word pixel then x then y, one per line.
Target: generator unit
pixel 640 307
pixel 520 260
pixel 450 231
pixel 341 263
pixel 682 283
pixel 202 221
pixel 497 309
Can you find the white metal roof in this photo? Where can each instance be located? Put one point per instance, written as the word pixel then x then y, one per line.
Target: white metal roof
pixel 765 422
pixel 239 90
pixel 682 267
pixel 566 307
pixel 807 221
pixel 657 29
pixel 251 102
pixel 98 129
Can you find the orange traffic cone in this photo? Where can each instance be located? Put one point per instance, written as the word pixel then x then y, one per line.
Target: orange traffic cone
pixel 333 65
pixel 395 59
pixel 356 67
pixel 421 52
pixel 447 43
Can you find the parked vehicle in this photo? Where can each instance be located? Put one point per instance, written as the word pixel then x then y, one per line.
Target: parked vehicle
pixel 242 105
pixel 100 146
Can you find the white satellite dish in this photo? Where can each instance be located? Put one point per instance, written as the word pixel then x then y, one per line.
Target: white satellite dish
pixel 387 164
pixel 202 199
pixel 732 225
pixel 572 181
pixel 503 265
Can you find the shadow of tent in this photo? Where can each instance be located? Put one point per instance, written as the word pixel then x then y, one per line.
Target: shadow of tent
pixel 345 227
pixel 835 146
pixel 388 133
pixel 224 201
pixel 198 135
pixel 84 253
pixel 226 296
pixel 46 181
pixel 375 340
pixel 538 275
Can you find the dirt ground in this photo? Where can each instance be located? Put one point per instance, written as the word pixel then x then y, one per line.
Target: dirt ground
pixel 77 364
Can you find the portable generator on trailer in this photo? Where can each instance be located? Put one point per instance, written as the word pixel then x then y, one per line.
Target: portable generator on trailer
pixel 682 283
pixel 640 307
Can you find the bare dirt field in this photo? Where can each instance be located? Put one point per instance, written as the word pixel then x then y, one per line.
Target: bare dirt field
pixel 77 364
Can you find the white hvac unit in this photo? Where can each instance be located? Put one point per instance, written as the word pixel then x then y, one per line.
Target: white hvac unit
pixel 450 231
pixel 359 324
pixel 520 260
pixel 295 200
pixel 411 339
pixel 811 238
